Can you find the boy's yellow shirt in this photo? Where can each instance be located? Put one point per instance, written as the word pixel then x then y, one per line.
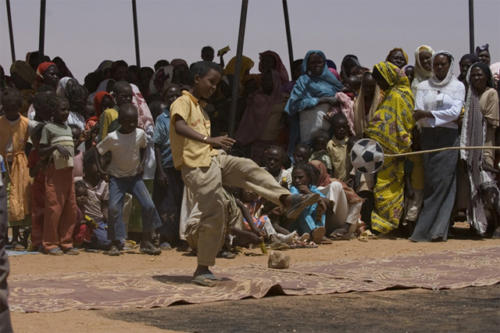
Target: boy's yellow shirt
pixel 187 152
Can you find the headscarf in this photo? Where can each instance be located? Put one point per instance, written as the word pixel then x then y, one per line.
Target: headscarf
pixel 331 64
pixel 474 134
pixel 178 62
pixel 161 77
pixel 396 49
pixel 61 85
pixel 98 101
pixel 324 177
pixel 361 119
pixel 349 62
pixel 254 120
pixel 246 66
pixel 393 122
pixel 105 64
pixel 42 68
pixel 481 48
pixel 24 71
pixel 434 81
pixel 280 68
pixel 308 89
pixel 421 74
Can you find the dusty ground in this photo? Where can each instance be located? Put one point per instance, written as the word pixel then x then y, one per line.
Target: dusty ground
pixel 194 318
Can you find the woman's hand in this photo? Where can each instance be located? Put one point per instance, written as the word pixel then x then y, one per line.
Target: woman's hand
pixel 420 114
pixel 304 189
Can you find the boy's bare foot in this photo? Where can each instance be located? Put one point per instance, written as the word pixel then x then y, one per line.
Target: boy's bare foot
pixel 318 234
pixel 296 203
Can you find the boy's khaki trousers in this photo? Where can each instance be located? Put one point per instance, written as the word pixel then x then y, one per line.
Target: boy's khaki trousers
pixel 206 185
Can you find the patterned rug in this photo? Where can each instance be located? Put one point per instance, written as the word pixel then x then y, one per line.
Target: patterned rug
pixel 444 270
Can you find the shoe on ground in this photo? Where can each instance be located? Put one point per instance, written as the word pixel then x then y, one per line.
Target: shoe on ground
pixel 299 203
pixel 148 248
pixel 71 251
pixel 54 252
pixel 113 251
pixel 165 246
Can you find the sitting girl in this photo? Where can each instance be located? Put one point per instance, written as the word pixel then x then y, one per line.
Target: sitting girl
pixel 252 209
pixel 312 219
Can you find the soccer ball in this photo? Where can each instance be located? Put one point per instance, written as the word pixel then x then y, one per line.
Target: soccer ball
pixel 367 156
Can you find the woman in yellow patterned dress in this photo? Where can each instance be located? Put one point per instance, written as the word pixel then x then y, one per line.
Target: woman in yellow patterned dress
pixel 391 126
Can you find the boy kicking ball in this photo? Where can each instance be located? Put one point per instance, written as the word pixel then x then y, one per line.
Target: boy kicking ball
pixel 205 169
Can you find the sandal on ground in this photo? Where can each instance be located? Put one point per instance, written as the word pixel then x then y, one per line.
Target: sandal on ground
pixel 113 251
pixel 206 280
pixel 149 248
pixel 55 252
pixel 71 251
pixel 226 255
pixel 299 203
pixel 325 241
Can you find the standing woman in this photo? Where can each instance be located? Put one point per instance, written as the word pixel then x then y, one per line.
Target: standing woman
pixel 423 65
pixel 478 129
pixel 438 104
pixel 391 126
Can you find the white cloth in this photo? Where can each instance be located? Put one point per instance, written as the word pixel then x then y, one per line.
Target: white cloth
pixel 125 152
pixel 445 103
pixel 77 119
pixel 312 122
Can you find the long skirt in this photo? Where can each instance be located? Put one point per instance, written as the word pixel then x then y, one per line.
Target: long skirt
pixel 440 178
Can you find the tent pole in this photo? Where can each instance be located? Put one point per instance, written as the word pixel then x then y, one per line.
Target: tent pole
pixel 11 32
pixel 136 34
pixel 236 76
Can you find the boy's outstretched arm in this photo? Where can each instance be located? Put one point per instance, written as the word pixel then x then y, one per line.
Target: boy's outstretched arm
pixel 182 128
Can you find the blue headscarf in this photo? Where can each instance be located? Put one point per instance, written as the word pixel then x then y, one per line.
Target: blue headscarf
pixel 308 89
pixel 306 94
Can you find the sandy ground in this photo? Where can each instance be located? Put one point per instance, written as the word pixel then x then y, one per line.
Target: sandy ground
pixel 102 321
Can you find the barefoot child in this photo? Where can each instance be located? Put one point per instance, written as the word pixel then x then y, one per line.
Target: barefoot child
pixel 56 144
pixel 127 147
pixel 205 170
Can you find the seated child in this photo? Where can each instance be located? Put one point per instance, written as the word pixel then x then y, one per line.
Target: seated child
pixel 127 147
pixel 256 221
pixel 274 157
pixel 91 232
pixel 338 147
pixel 312 218
pixel 320 152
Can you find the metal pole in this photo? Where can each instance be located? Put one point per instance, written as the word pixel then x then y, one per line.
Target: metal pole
pixel 236 76
pixel 11 32
pixel 136 35
pixel 41 40
pixel 288 33
pixel 471 26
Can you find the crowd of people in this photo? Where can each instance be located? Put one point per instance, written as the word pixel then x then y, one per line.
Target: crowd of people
pixel 144 154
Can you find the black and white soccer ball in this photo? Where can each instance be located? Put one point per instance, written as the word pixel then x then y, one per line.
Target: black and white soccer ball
pixel 367 156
